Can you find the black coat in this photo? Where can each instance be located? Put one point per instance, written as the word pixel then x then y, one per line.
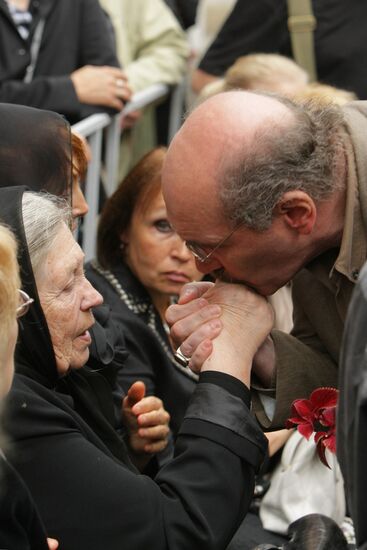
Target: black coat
pixel 88 497
pixel 20 524
pixel 352 409
pixel 150 356
pixel 89 500
pixel 76 33
pixel 261 26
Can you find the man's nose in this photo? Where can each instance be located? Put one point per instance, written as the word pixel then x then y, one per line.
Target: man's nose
pixel 208 266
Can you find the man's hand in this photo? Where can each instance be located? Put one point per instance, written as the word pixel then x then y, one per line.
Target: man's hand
pixel 229 343
pixel 194 322
pixel 52 544
pixel 146 420
pixel 105 86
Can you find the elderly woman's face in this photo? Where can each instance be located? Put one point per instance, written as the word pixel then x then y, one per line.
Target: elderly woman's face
pixel 66 298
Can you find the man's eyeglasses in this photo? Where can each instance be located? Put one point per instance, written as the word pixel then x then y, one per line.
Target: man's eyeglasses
pixel 200 254
pixel 24 302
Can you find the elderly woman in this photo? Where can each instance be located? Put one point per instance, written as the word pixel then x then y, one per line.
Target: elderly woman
pixel 142 264
pixel 20 524
pixel 89 497
pixel 37 147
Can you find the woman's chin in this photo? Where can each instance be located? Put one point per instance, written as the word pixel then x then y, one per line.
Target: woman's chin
pixel 79 358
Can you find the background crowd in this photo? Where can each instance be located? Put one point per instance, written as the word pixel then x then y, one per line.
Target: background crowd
pixel 146 391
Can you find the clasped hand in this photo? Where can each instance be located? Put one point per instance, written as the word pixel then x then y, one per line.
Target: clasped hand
pixel 220 326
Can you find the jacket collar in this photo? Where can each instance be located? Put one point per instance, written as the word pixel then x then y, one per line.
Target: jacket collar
pixel 39 8
pixel 353 250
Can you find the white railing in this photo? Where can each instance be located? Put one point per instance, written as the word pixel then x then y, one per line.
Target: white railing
pixel 92 128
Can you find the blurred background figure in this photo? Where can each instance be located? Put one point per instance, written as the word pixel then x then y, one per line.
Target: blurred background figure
pixel 59 56
pixel 141 266
pixel 251 27
pixel 20 523
pixel 152 48
pixel 262 71
pixel 324 94
pixel 184 10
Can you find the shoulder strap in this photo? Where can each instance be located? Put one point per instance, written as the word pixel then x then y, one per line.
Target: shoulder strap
pixel 301 25
pixel 34 50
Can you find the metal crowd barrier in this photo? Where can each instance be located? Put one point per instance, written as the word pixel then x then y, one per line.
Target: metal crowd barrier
pixel 92 128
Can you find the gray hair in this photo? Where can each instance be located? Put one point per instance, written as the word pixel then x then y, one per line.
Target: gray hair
pixel 300 156
pixel 43 215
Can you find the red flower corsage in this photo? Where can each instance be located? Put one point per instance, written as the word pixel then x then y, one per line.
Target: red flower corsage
pixel 317 415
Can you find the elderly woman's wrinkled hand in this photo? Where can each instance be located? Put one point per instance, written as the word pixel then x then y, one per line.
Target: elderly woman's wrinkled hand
pixel 146 420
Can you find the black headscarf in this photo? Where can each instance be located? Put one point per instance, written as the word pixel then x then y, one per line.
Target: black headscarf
pixel 34 337
pixel 35 150
pixel 90 390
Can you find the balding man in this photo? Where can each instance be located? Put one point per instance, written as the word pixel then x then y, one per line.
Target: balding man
pixel 265 191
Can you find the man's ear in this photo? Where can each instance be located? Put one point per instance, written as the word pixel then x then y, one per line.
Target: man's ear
pixel 298 211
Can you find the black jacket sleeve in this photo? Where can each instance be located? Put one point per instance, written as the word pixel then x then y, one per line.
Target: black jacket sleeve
pixel 89 501
pixel 20 524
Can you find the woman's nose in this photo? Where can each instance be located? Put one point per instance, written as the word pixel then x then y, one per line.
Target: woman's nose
pixel 181 251
pixel 91 297
pixel 80 206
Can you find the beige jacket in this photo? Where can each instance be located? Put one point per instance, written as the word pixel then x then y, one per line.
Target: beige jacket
pixel 322 290
pixel 151 46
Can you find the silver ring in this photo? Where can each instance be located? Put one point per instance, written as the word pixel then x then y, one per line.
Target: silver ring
pixel 120 83
pixel 181 358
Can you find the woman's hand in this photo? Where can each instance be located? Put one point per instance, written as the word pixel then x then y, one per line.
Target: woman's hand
pixel 147 422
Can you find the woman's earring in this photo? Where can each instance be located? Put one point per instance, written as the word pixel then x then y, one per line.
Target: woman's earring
pixel 122 246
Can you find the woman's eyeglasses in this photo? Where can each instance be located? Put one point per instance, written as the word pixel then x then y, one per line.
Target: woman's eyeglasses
pixel 24 302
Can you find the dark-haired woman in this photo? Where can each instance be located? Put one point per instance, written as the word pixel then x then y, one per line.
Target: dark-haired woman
pixel 141 264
